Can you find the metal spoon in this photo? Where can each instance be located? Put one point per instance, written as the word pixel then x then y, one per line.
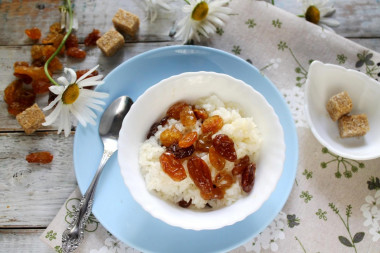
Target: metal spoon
pixel 109 128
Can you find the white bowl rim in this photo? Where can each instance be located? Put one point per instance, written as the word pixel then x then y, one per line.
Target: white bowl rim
pixel 281 158
pixel 315 132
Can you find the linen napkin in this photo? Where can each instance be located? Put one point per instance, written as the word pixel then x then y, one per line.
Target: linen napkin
pixel 335 202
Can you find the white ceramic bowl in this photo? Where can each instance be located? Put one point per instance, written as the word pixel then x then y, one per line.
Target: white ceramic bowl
pixel 153 104
pixel 326 80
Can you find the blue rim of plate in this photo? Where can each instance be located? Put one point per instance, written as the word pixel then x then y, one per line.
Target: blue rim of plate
pixel 113 205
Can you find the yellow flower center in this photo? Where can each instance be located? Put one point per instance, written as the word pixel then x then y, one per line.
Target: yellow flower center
pixel 200 11
pixel 71 94
pixel 312 14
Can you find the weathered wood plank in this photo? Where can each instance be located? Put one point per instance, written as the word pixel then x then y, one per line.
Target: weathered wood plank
pixel 10 54
pixel 23 240
pixel 16 16
pixel 32 194
pixel 357 18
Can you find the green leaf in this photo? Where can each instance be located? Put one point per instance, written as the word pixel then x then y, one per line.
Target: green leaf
pixel 345 241
pixel 358 237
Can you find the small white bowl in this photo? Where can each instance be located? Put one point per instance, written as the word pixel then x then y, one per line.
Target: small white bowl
pixel 153 104
pixel 324 81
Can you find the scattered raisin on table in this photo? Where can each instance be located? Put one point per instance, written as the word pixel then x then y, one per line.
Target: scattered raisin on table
pixel 40 86
pixel 172 167
pixel 224 145
pixel 72 41
pixel 92 37
pixel 76 53
pixel 40 157
pixel 33 33
pixel 180 153
pixel 18 98
pixel 84 71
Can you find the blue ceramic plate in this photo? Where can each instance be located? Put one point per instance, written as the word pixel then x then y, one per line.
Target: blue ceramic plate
pixel 113 204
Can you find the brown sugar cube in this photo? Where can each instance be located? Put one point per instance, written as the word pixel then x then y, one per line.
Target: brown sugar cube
pixel 353 125
pixel 110 42
pixel 31 119
pixel 339 105
pixel 126 22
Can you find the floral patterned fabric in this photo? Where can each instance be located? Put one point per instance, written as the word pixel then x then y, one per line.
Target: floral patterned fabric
pixel 335 202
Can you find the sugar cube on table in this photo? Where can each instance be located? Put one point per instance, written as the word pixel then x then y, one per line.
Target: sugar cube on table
pixel 126 22
pixel 110 42
pixel 31 119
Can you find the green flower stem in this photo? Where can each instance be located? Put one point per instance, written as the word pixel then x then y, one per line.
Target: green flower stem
pixel 272 2
pixel 60 45
pixel 299 64
pixel 346 225
pixel 303 248
pixel 187 2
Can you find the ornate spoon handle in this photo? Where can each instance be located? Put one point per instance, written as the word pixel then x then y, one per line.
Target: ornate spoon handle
pixel 73 235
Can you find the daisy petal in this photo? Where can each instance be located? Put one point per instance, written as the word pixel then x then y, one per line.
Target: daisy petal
pixel 63 81
pixel 87 73
pixel 72 74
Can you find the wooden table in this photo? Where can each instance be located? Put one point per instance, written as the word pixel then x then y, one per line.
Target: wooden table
pixel 30 194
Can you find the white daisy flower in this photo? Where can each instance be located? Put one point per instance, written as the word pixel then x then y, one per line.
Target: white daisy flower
pixel 202 18
pixel 319 12
pixel 154 7
pixel 73 102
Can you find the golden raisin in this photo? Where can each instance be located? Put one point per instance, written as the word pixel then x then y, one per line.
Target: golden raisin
pixel 216 160
pixel 33 33
pixel 40 86
pixel 57 41
pixel 76 53
pixel 248 177
pixel 170 136
pixel 39 157
pixel 175 110
pixel 223 180
pixel 212 124
pixel 172 167
pixel 55 65
pixel 36 52
pixel 20 63
pixel 240 165
pixel 204 142
pixel 50 38
pixel 25 78
pixel 201 175
pixel 18 98
pixel 187 116
pixel 92 37
pixel 11 90
pixel 84 71
pixel 224 145
pixel 47 51
pixel 36 73
pixel 188 139
pixel 200 113
pixel 55 28
pixel 72 41
pixel 180 153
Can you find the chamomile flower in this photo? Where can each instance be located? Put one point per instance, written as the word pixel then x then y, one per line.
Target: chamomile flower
pixel 319 12
pixel 202 18
pixel 73 101
pixel 154 7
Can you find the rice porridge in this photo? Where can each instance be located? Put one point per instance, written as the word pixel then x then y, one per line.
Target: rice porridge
pixel 201 155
